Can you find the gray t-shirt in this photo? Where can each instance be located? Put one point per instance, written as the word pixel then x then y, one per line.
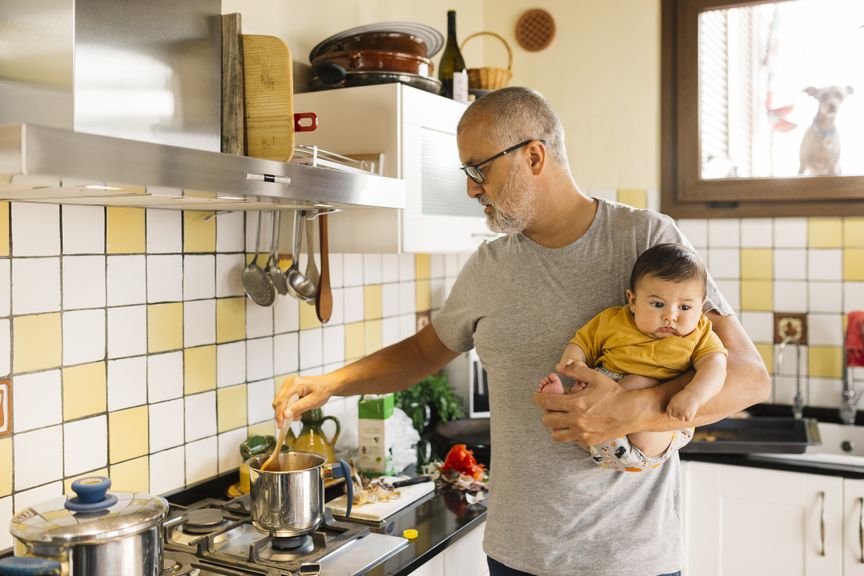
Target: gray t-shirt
pixel 551 510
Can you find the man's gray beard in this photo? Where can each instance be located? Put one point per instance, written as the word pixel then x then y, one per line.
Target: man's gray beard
pixel 515 206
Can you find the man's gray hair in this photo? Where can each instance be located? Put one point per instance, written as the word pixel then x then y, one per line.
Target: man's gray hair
pixel 516 114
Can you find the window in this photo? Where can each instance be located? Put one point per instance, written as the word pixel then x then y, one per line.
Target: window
pixel 763 108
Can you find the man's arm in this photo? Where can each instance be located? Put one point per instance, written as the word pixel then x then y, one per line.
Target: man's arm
pixel 604 410
pixel 396 367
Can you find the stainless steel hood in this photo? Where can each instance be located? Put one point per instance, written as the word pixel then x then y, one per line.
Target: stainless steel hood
pixel 42 164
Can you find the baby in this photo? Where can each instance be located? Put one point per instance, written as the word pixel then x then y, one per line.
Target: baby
pixel 658 334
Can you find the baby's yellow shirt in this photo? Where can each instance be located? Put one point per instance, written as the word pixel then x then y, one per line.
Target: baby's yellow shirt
pixel 612 339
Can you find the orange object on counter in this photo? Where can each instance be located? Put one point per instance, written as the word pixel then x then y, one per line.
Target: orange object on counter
pixel 460 459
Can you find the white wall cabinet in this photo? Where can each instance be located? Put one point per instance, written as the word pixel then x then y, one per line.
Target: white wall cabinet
pixel 416 133
pixel 465 556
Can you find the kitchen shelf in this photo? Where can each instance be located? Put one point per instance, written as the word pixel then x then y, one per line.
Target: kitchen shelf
pixel 52 165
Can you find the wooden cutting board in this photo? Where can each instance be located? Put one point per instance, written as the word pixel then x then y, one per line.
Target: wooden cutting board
pixel 268 83
pixel 378 511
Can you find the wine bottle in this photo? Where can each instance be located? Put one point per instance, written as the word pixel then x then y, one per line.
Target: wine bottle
pixel 451 68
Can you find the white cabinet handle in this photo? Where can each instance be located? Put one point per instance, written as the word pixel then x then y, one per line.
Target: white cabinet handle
pixel 861 530
pixel 822 523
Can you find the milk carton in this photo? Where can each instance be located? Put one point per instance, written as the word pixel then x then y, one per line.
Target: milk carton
pixel 376 434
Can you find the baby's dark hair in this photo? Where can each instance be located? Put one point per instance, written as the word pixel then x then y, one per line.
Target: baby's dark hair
pixel 673 262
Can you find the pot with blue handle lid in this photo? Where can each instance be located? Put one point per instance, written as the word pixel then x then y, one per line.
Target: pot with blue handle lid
pixel 94 533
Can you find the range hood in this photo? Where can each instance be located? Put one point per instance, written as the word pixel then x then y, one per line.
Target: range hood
pixel 118 102
pixel 43 164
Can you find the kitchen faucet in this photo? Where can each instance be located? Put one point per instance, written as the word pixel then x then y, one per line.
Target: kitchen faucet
pixel 850 397
pixel 798 401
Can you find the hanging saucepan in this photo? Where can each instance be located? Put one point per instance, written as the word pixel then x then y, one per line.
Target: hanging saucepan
pixel 288 499
pixel 95 533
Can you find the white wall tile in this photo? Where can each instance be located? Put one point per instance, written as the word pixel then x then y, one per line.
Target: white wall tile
pixel 229 232
pixel 759 326
pixel 127 331
pixel 83 282
pixel 407 297
pixel 785 389
pixel 201 460
pixel 229 275
pixel 83 336
pixel 337 271
pixel 127 383
pixel 389 268
pixel 48 444
pixel 83 229
pixel 259 319
pixel 825 330
pixel 436 266
pixel 37 400
pixel 372 268
pixel 5 519
pixel 164 231
pixel 390 331
pixel 35 229
pixel 406 268
pixel 790 233
pixel 353 298
pixel 390 300
pixel 5 346
pixel 452 265
pixel 352 270
pixel 164 376
pixel 28 498
pixel 257 232
pixel 724 263
pixel 5 287
pixel 825 264
pixel 166 424
pixel 311 342
pixel 259 401
pixel 35 285
pixel 757 233
pixel 286 315
pixel 286 353
pixel 724 233
pixel 825 297
pixel 338 314
pixel 259 359
pixel 790 296
pixel 731 291
pixel 199 277
pixel 785 366
pixel 229 453
pixel 167 470
pixel 407 325
pixel 85 445
pixel 790 264
pixel 164 278
pixel 200 415
pixel 230 364
pixel 825 392
pixel 199 323
pixel 127 280
pixel 694 229
pixel 334 344
pixel 853 296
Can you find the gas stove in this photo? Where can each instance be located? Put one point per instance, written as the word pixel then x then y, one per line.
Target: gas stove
pixel 216 537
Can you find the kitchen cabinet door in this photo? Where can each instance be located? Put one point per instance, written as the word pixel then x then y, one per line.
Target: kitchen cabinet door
pixel 434 567
pixel 853 527
pixel 466 555
pixel 751 522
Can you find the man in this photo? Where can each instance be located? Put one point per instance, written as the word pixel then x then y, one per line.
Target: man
pixel 518 300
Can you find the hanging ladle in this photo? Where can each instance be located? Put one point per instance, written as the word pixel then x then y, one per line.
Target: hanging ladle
pixel 272 269
pixel 259 288
pixel 297 281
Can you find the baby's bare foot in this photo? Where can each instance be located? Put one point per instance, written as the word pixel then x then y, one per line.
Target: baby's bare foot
pixel 551 384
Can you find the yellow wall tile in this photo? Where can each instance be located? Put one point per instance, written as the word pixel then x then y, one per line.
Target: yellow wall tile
pixel 372 302
pixel 633 197
pixel 853 264
pixel 423 291
pixel 853 232
pixel 373 337
pixel 131 476
pixel 825 361
pixel 199 232
pixel 164 327
pixel 128 434
pixel 125 231
pixel 199 369
pixel 84 390
pixel 266 428
pixel 308 316
pixel 4 228
pixel 825 233
pixel 230 319
pixel 767 352
pixel 67 483
pixel 231 407
pixel 355 336
pixel 5 466
pixel 757 295
pixel 37 342
pixel 422 266
pixel 757 264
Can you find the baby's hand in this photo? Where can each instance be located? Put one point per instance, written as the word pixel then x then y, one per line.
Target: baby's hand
pixel 683 406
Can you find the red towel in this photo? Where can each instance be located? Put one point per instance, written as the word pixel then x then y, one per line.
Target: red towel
pixel 855 339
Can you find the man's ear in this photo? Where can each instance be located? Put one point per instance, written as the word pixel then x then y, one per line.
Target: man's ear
pixel 537 157
pixel 631 300
pixel 811 90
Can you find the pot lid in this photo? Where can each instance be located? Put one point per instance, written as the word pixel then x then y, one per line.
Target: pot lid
pixel 433 39
pixel 93 516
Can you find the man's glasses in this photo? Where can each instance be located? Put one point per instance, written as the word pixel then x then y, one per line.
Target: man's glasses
pixel 473 170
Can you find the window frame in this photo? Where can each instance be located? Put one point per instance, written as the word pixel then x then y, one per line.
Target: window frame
pixel 683 193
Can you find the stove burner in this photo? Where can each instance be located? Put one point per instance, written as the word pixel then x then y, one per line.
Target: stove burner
pixel 174 568
pixel 292 543
pixel 203 520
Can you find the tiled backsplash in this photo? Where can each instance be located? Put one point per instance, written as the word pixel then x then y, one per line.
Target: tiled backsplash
pixel 132 350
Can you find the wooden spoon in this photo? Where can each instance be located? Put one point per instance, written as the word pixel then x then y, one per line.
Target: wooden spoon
pixel 323 296
pixel 282 433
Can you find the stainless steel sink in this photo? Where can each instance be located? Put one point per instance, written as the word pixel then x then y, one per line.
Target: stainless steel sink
pixel 842 445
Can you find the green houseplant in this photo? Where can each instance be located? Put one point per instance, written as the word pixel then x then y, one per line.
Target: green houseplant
pixel 429 402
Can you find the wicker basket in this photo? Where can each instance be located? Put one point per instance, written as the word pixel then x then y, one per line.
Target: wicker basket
pixel 489 78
